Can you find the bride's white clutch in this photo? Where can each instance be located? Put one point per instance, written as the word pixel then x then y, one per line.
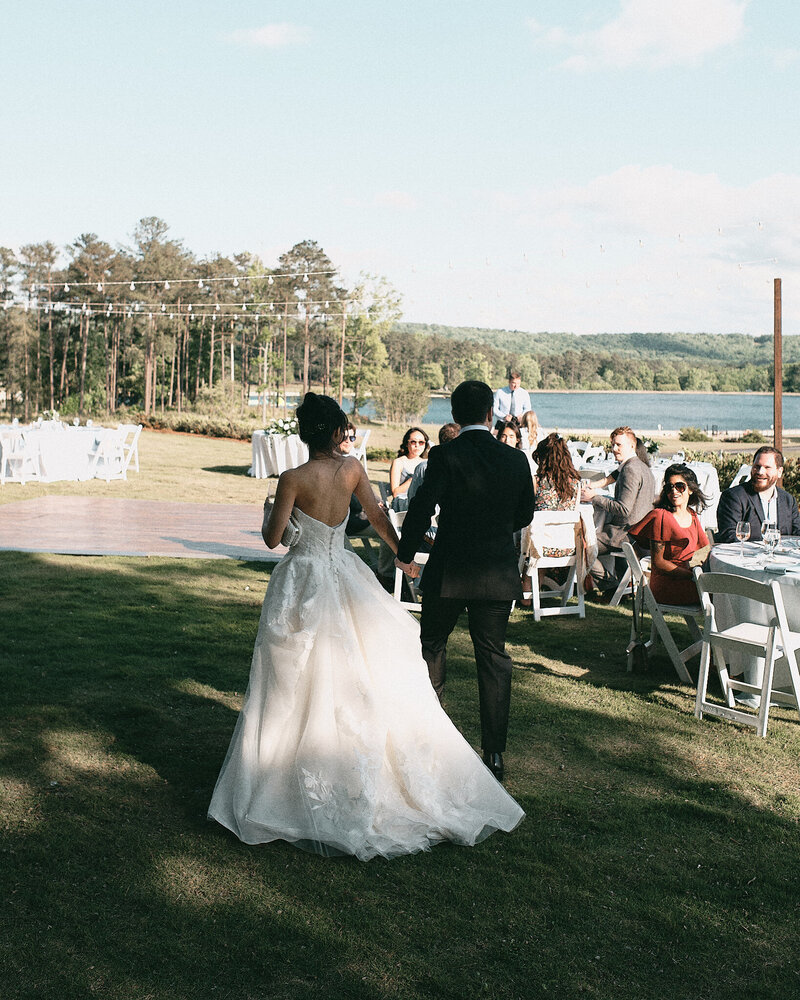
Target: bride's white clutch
pixel 291 532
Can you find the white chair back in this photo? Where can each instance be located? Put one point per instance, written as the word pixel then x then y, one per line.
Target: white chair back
pixel 396 517
pixel 770 639
pixel 361 451
pixel 554 529
pixel 742 475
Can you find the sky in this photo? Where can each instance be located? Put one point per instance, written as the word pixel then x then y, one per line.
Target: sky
pixel 567 165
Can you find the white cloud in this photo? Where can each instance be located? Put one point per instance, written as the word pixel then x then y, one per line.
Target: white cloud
pixel 399 200
pixel 271 36
pixel 650 34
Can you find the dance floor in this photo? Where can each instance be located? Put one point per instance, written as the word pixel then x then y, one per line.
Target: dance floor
pixel 106 526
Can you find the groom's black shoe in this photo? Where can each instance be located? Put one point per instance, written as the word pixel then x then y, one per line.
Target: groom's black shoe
pixel 494 761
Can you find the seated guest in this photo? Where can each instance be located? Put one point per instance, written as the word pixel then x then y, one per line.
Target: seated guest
pixel 758 500
pixel 532 433
pixel 633 498
pixel 641 453
pixel 413 449
pixel 676 537
pixel 556 483
pixel 510 402
pixel 447 432
pixel 509 432
pixel 357 522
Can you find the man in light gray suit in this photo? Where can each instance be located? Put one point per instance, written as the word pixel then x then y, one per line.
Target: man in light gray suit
pixel 633 498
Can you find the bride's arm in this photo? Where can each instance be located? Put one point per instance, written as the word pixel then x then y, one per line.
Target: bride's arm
pixel 276 518
pixel 376 517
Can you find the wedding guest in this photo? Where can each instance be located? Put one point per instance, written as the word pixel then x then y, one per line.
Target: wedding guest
pixel 633 498
pixel 676 537
pixel 556 487
pixel 413 449
pixel 510 433
pixel 511 401
pixel 532 433
pixel 358 525
pixel 758 500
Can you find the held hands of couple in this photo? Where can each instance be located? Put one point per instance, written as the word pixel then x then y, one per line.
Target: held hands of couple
pixel 411 569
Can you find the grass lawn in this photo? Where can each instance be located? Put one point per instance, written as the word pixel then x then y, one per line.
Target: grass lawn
pixel 659 856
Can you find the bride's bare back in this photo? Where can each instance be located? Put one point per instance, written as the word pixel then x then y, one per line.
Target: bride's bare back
pixel 322 489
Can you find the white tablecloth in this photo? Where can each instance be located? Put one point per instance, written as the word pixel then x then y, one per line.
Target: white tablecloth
pixel 706 477
pixel 274 454
pixel 730 610
pixel 65 455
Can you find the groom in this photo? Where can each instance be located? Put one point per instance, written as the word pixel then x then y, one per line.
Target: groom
pixel 484 491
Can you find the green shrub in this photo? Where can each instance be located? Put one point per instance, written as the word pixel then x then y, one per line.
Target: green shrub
pixel 753 437
pixel 693 434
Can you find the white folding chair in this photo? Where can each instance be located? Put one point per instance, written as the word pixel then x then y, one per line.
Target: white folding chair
pixel 643 595
pixel 19 458
pixel 108 457
pixel 130 445
pixel 577 449
pixel 593 455
pixel 773 642
pixel 420 558
pixel 361 451
pixel 742 475
pixel 556 529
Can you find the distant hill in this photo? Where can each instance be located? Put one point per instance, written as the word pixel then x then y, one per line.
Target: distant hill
pixel 731 348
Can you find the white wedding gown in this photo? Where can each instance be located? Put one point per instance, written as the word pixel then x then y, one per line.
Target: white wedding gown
pixel 341 746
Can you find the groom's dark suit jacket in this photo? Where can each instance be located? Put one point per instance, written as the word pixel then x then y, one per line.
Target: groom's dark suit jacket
pixel 742 503
pixel 484 490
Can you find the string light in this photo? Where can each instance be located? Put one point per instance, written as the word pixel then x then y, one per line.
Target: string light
pixel 132 286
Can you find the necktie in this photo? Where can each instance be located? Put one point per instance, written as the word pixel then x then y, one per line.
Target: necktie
pixel 511 408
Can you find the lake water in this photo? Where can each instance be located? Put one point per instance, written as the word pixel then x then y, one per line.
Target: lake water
pixel 644 410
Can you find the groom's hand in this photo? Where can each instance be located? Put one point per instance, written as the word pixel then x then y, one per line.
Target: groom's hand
pixel 411 569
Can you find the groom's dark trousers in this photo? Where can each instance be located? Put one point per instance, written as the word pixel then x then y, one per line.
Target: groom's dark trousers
pixel 484 491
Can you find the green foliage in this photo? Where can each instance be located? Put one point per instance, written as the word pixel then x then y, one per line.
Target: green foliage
pixel 693 434
pixel 753 437
pixel 400 398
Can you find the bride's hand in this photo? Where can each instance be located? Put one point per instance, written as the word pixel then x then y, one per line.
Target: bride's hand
pixel 411 569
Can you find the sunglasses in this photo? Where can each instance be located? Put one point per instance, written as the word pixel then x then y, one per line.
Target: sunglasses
pixel 416 441
pixel 677 488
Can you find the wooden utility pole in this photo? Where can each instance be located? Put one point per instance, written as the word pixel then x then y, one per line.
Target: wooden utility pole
pixel 777 419
pixel 341 355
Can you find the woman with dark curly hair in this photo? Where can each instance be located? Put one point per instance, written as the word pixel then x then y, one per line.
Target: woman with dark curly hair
pixel 556 482
pixel 676 537
pixel 341 746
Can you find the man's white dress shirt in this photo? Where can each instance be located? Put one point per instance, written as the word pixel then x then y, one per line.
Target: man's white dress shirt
pixel 510 404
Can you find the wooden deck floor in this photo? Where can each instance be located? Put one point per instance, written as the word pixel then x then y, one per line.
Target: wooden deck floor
pixel 108 526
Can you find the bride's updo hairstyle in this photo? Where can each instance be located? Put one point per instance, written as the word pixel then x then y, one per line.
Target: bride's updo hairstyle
pixel 318 419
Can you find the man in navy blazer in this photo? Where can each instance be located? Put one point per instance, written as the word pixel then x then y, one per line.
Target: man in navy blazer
pixel 757 500
pixel 484 491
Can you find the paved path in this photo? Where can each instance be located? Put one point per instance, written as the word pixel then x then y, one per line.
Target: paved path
pixel 106 526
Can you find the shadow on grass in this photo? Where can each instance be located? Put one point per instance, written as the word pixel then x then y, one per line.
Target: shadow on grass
pixel 228 470
pixel 119 698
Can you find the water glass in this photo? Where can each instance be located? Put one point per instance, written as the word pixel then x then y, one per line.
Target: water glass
pixel 742 534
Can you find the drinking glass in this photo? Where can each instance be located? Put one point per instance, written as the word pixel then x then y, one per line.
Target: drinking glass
pixel 742 534
pixel 772 537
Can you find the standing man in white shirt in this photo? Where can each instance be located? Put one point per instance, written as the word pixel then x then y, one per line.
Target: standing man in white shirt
pixel 511 401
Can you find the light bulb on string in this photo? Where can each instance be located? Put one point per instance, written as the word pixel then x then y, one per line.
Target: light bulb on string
pixel 244 307
pixel 166 286
pixel 132 286
pixel 99 287
pixel 200 283
pixel 235 282
pixel 217 307
pixel 272 307
pixel 271 280
pixel 305 277
pixel 66 288
pixel 189 307
pixel 163 308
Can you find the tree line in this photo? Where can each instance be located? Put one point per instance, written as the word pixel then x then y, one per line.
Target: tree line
pixel 152 326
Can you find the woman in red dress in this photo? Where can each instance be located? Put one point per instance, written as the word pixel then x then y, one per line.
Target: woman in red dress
pixel 675 536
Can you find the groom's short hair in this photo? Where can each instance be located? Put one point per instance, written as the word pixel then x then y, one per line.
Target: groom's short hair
pixel 471 402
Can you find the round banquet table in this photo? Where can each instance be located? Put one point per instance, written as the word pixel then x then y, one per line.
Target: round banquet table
pixel 273 454
pixel 65 453
pixel 784 567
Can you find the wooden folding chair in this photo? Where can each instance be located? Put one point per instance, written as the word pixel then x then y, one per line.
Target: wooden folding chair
pixel 773 642
pixel 643 596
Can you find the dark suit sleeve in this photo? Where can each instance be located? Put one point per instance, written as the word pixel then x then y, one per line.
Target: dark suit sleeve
pixel 523 515
pixel 793 520
pixel 422 507
pixel 729 510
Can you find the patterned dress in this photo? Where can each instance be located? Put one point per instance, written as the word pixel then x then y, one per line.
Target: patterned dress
pixel 547 498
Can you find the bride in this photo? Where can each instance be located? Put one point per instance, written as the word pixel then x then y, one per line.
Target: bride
pixel 341 746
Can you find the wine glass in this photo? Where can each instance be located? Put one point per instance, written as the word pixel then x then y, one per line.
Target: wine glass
pixel 772 537
pixel 742 534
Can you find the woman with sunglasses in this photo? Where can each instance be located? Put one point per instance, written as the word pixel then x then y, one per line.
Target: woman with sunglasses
pixel 676 537
pixel 413 449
